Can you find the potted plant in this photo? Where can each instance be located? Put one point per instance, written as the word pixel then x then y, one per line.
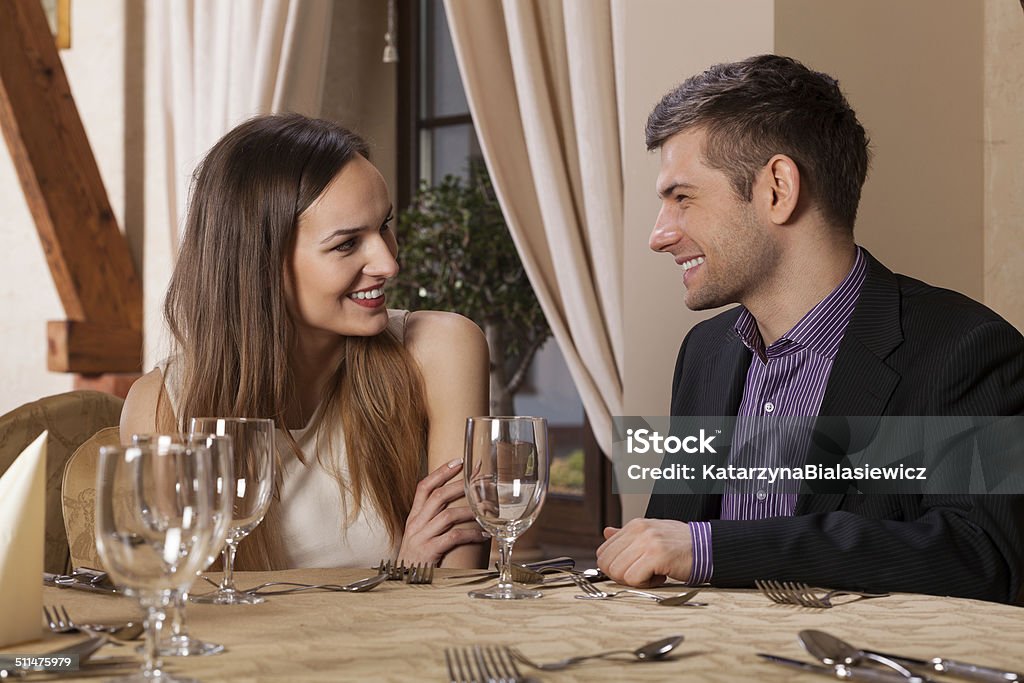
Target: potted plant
pixel 456 254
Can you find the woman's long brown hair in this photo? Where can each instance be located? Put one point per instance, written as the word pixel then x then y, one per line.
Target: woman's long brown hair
pixel 227 312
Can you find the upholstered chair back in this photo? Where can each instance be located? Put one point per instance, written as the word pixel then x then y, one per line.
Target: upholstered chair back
pixel 71 418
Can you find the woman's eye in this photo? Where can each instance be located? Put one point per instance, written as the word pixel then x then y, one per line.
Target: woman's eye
pixel 386 225
pixel 347 245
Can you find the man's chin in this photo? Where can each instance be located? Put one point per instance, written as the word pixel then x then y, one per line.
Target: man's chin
pixel 695 302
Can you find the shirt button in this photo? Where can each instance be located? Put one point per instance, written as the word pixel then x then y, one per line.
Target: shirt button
pixel 769 407
pixel 762 494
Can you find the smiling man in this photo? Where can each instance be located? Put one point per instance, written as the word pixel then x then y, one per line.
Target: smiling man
pixel 762 164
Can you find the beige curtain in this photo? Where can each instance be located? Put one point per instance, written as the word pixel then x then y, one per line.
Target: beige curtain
pixel 225 61
pixel 540 79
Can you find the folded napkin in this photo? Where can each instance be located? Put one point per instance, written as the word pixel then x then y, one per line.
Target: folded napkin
pixel 22 534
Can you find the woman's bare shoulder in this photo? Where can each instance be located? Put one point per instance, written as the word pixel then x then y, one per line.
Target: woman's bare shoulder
pixel 147 395
pixel 437 335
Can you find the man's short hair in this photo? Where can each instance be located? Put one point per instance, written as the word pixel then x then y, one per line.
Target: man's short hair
pixel 767 105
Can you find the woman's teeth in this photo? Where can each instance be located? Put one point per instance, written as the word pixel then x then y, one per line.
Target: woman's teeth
pixel 693 262
pixel 367 294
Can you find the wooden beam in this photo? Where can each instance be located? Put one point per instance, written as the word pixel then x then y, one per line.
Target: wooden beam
pixel 90 349
pixel 88 256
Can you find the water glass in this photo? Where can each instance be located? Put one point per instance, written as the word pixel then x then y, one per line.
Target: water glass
pixel 506 477
pixel 252 441
pixel 154 520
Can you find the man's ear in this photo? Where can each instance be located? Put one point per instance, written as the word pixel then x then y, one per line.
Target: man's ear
pixel 779 182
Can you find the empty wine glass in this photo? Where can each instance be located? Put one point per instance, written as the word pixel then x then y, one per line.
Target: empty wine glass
pixel 506 476
pixel 252 441
pixel 180 643
pixel 154 518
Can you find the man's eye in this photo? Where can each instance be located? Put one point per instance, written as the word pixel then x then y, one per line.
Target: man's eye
pixel 681 197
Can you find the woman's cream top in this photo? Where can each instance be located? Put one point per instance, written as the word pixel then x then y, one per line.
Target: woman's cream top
pixel 318 524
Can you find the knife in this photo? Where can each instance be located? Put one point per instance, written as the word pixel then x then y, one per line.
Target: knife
pixel 555 563
pixel 843 672
pixel 73 581
pixel 952 667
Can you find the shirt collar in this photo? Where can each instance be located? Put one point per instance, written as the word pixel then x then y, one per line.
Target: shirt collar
pixel 820 330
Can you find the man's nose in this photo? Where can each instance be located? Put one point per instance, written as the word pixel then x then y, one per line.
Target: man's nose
pixel 664 235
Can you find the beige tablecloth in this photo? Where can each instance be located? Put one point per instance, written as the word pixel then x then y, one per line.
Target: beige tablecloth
pixel 398 632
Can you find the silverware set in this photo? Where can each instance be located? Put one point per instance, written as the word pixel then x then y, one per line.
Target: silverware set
pixel 844 661
pixel 498 663
pixel 803 595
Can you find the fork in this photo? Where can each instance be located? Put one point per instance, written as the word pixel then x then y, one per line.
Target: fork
pixel 397 571
pixel 59 621
pixel 419 573
pixel 592 592
pixel 803 595
pixel 481 664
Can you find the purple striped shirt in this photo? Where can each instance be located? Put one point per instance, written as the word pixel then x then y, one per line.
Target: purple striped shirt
pixel 786 379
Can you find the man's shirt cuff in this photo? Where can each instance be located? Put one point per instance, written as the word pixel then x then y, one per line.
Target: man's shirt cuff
pixel 700 533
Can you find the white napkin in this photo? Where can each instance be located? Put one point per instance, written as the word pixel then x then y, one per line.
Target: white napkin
pixel 22 533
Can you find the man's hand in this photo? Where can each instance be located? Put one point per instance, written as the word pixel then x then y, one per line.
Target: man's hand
pixel 645 551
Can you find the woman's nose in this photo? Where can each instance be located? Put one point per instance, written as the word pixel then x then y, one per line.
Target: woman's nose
pixel 382 261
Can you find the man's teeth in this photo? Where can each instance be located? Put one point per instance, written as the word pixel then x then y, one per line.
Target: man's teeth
pixel 368 294
pixel 693 262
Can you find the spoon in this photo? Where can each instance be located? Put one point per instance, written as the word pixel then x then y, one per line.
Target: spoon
pixel 646 653
pixel 359 586
pixel 835 652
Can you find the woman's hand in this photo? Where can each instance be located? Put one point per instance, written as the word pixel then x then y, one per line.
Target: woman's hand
pixel 437 523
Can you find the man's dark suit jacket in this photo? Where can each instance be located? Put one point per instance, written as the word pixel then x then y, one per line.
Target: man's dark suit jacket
pixel 909 349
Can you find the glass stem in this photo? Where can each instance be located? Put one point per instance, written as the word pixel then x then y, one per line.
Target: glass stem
pixel 227 584
pixel 154 629
pixel 505 564
pixel 178 628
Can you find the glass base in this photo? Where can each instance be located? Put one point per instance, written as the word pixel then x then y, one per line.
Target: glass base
pixel 158 676
pixel 499 593
pixel 187 646
pixel 228 597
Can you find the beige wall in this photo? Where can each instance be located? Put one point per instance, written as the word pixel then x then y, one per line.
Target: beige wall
pixel 1004 160
pixel 912 72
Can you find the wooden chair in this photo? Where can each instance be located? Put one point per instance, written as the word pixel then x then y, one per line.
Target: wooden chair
pixel 78 495
pixel 71 418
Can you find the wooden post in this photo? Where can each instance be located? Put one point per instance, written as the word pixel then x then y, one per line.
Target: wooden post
pixel 88 256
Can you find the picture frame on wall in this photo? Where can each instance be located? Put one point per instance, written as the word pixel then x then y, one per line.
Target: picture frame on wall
pixel 58 13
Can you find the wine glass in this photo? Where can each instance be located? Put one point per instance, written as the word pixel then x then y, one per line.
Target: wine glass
pixel 506 475
pixel 180 643
pixel 252 440
pixel 154 518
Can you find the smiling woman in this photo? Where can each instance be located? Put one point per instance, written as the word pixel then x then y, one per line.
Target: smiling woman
pixel 278 309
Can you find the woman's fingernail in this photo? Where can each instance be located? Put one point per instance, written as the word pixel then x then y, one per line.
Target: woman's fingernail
pixel 454 463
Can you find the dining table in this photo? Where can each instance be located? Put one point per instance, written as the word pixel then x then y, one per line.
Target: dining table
pixel 399 631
